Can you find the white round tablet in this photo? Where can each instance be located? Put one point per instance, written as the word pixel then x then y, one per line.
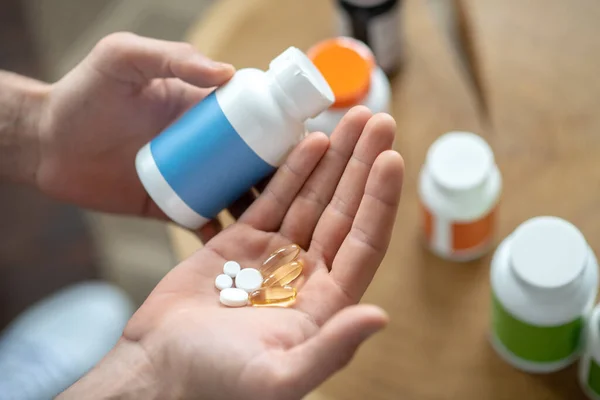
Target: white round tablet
pixel 231 268
pixel 249 279
pixel 223 282
pixel 233 297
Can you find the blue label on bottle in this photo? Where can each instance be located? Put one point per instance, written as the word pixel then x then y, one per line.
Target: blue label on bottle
pixel 205 161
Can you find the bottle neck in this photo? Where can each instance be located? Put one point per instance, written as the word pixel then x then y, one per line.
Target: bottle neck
pixel 287 105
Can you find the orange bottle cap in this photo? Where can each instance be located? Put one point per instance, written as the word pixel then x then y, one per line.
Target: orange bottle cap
pixel 347 65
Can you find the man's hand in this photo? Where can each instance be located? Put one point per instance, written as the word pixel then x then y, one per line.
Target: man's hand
pixel 337 199
pixel 21 102
pixel 95 119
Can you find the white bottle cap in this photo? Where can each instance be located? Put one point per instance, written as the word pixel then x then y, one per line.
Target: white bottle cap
pixel 459 161
pixel 304 89
pixel 548 252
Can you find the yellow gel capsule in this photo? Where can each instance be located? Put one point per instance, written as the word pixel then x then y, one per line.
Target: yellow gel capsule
pixel 273 296
pixel 284 274
pixel 279 257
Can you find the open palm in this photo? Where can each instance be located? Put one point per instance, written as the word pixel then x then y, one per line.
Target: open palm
pixel 337 199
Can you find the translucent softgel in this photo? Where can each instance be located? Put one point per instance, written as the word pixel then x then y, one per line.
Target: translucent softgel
pixel 285 274
pixel 273 296
pixel 279 257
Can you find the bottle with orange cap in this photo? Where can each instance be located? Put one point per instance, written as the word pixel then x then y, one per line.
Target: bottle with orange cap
pixel 351 70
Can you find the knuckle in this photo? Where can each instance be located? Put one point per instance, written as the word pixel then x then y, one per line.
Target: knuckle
pixel 187 47
pixel 367 240
pixel 115 45
pixel 116 40
pixel 341 206
pixel 181 50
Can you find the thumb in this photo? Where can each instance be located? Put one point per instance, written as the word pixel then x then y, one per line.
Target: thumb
pixel 130 58
pixel 333 346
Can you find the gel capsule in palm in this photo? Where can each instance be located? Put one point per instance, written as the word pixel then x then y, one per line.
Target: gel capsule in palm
pixel 285 274
pixel 279 257
pixel 273 296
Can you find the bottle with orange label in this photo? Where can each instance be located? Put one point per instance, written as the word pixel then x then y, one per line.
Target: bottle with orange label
pixel 459 189
pixel 350 69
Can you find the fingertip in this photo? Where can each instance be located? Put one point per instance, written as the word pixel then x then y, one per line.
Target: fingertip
pixel 382 124
pixel 315 142
pixel 374 317
pixel 373 311
pixel 207 62
pixel 223 66
pixel 358 114
pixel 225 69
pixel 390 164
pixel 360 111
pixel 202 71
pixel 393 158
pixel 366 316
pixel 385 119
pixel 318 136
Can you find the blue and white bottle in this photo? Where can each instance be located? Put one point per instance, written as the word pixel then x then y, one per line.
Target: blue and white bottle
pixel 232 139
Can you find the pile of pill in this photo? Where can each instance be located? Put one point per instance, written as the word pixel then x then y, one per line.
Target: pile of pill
pixel 267 286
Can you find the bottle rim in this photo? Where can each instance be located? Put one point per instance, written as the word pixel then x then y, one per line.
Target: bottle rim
pixel 459 162
pixel 548 253
pixel 347 64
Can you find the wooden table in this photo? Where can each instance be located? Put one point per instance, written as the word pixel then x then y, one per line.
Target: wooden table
pixel 532 89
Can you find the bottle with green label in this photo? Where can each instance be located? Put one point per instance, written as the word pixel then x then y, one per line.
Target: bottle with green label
pixel 544 280
pixel 589 365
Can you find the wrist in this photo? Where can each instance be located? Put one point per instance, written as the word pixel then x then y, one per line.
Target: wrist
pixel 21 105
pixel 127 372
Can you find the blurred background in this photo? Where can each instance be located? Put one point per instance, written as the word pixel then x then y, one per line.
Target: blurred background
pixel 524 75
pixel 46 245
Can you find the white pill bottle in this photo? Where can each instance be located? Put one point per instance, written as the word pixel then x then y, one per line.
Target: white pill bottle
pixel 229 141
pixel 589 365
pixel 349 67
pixel 459 189
pixel 544 280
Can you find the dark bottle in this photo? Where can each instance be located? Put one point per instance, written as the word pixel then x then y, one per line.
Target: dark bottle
pixel 376 23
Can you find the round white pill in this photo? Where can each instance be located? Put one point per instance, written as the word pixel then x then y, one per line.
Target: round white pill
pixel 233 297
pixel 231 268
pixel 223 282
pixel 249 279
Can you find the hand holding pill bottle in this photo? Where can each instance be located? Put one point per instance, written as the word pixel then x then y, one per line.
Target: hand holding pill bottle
pixel 236 136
